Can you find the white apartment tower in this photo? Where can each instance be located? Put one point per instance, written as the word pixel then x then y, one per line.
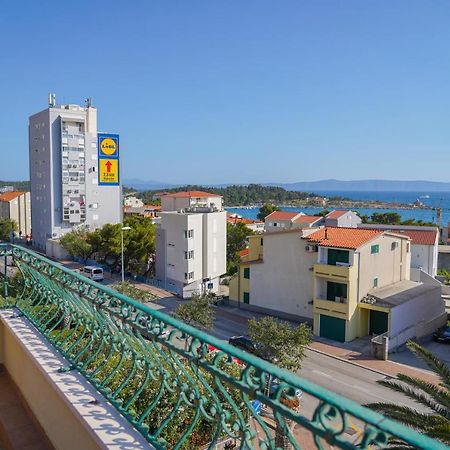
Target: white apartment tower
pixel 191 243
pixel 74 183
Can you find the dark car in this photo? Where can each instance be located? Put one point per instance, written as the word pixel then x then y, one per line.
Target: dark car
pixel 443 334
pixel 244 343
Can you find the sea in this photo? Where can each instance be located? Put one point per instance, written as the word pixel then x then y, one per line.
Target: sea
pixel 431 199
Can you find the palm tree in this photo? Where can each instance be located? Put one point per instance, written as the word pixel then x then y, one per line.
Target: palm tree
pixel 436 397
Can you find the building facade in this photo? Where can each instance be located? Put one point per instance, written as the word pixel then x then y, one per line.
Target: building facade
pixel 342 218
pixel 73 184
pixel 424 244
pixel 287 220
pixel 17 206
pixel 348 282
pixel 191 243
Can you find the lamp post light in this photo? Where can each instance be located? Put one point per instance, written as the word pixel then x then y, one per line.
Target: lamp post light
pixel 121 241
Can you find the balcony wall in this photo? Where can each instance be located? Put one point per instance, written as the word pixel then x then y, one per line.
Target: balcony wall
pixel 70 411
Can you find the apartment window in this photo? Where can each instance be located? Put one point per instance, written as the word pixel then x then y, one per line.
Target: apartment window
pixel 188 234
pixel 407 247
pixel 189 254
pixel 189 276
pixel 262 242
pixel 247 297
pixel 247 273
pixel 375 282
pixel 374 249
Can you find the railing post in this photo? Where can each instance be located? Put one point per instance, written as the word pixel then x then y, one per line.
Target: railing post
pixel 5 281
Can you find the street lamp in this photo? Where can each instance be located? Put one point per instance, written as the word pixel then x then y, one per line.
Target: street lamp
pixel 121 235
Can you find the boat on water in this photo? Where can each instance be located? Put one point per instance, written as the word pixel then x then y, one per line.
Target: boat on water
pixel 424 196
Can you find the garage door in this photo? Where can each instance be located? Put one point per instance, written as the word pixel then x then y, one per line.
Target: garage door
pixel 332 328
pixel 378 322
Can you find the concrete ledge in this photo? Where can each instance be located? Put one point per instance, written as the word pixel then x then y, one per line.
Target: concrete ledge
pixel 73 414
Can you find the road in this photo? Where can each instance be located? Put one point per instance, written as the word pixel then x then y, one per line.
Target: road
pixel 353 382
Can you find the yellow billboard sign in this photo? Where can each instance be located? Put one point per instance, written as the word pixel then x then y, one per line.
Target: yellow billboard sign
pixel 108 171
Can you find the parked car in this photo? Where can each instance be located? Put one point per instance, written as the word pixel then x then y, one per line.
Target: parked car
pixel 94 273
pixel 443 334
pixel 246 344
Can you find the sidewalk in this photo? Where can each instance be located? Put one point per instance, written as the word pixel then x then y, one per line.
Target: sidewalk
pixel 387 368
pixel 357 353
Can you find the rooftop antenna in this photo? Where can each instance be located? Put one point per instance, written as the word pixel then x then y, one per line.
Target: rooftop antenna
pixel 51 100
pixel 88 102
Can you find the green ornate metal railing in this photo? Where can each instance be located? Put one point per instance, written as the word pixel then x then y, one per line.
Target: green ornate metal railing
pixel 163 377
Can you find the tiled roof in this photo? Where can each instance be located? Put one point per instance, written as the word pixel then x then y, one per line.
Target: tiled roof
pixel 153 207
pixel 340 237
pixel 307 219
pixel 336 214
pixel 235 220
pixel 191 194
pixel 8 196
pixel 244 252
pixel 282 215
pixel 418 237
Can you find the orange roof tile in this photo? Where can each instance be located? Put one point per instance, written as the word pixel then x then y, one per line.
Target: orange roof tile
pixel 307 219
pixel 244 252
pixel 418 237
pixel 235 220
pixel 340 237
pixel 8 196
pixel 191 194
pixel 336 214
pixel 153 207
pixel 282 215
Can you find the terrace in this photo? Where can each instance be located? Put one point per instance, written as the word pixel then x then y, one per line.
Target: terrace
pixel 100 370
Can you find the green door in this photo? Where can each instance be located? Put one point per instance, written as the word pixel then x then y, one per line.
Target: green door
pixel 332 328
pixel 378 322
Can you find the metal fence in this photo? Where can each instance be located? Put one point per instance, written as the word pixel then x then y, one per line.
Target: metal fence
pixel 180 387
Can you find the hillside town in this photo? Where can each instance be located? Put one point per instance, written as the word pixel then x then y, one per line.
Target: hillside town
pixel 240 241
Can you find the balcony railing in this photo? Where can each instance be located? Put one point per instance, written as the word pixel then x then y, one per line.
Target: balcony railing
pixel 158 372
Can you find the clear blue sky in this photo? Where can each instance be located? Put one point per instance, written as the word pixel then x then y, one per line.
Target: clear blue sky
pixel 239 91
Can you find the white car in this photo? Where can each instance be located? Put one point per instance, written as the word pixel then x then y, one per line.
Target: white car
pixel 92 272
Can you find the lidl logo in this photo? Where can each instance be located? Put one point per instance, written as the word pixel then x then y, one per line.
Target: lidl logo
pixel 108 146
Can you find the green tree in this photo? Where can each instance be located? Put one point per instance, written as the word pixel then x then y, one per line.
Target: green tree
pixel 436 398
pixel 323 213
pixel 126 288
pixel 265 210
pixel 75 244
pixel 279 341
pixel 236 241
pixel 284 345
pixel 197 311
pixel 6 226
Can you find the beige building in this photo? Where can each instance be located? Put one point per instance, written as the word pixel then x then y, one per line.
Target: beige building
pixel 348 282
pixel 17 206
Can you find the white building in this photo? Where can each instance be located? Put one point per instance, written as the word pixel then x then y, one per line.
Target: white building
pixel 73 182
pixel 133 202
pixel 191 243
pixel 424 244
pixel 342 218
pixel 16 206
pixel 287 220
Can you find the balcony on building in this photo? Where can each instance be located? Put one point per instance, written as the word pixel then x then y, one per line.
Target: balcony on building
pixel 84 367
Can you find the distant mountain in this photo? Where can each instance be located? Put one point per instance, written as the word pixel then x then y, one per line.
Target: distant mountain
pixel 141 185
pixel 365 185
